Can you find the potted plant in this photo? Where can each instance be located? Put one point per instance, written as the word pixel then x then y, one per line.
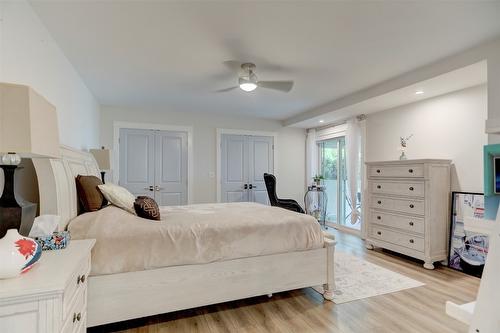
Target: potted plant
pixel 318 179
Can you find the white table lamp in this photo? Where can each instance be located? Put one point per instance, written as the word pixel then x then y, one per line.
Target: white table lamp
pixel 103 159
pixel 28 128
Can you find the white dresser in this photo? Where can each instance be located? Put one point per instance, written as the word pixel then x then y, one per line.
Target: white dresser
pixel 407 208
pixel 50 298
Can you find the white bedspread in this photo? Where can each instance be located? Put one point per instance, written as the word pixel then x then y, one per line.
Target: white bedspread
pixel 192 234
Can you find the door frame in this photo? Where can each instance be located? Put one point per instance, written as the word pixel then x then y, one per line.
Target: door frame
pixel 221 131
pixel 118 125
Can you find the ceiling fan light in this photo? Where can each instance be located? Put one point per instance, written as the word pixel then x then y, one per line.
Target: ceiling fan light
pixel 248 86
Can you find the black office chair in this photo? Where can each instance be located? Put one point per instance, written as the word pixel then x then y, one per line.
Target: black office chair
pixel 289 204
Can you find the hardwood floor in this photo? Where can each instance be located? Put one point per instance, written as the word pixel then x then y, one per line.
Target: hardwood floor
pixel 414 310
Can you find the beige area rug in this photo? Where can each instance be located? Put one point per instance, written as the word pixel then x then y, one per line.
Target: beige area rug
pixel 356 278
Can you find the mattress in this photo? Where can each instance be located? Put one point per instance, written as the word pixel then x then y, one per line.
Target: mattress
pixel 192 234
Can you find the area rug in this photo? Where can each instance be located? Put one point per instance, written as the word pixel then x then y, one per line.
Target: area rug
pixel 356 278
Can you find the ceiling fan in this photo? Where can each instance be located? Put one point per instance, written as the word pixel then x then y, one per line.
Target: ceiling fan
pixel 248 81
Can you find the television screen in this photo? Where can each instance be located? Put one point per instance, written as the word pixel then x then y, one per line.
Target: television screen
pixel 497 174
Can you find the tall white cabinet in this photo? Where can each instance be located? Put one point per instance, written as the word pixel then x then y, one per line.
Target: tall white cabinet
pixel 407 208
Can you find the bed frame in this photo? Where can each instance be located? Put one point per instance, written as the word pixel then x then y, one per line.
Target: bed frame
pixel 125 296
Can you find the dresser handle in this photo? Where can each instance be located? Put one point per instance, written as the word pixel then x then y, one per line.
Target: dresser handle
pixel 411 224
pixel 379 217
pixel 77 316
pixel 412 241
pixel 378 170
pixel 411 188
pixel 412 206
pixel 80 279
pixel 410 170
pixel 379 187
pixel 379 202
pixel 379 232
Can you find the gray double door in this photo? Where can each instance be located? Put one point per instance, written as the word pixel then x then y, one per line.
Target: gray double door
pixel 155 163
pixel 244 160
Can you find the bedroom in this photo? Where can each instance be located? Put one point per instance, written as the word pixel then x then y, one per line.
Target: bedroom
pixel 364 75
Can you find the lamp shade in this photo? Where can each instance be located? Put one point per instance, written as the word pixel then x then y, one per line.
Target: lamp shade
pixel 28 123
pixel 102 157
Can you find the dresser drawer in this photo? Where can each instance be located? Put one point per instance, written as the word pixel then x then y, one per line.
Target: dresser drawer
pixel 397 238
pixel 407 223
pixel 400 171
pixel 398 205
pixel 76 283
pixel 412 189
pixel 76 313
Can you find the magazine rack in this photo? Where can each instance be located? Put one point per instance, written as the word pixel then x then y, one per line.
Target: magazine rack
pixel 483 315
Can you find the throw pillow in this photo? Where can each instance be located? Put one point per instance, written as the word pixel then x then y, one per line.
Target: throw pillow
pixel 147 208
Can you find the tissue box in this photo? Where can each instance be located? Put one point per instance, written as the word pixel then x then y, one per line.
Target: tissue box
pixel 56 241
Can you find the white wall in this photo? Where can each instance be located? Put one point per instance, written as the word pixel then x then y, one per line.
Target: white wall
pixel 449 126
pixel 290 159
pixel 30 56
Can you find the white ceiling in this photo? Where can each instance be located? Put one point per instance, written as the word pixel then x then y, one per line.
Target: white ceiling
pixel 459 79
pixel 170 54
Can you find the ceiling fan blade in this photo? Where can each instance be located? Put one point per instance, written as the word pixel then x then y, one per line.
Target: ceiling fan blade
pixel 226 89
pixel 284 86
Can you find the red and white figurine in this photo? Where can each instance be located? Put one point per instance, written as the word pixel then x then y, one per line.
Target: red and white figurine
pixel 17 254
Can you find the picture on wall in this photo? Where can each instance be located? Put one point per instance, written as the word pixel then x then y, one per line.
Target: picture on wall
pixel 468 250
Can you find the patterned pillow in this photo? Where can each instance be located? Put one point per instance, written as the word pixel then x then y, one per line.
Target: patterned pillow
pixel 147 208
pixel 91 199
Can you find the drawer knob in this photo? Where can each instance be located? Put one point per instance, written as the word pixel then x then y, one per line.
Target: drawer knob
pixel 378 170
pixel 77 316
pixel 412 206
pixel 379 187
pixel 412 241
pixel 411 188
pixel 379 217
pixel 411 224
pixel 379 232
pixel 80 279
pixel 410 170
pixel 379 202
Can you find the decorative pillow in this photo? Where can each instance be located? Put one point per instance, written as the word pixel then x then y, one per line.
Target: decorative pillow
pixel 147 208
pixel 118 196
pixel 91 199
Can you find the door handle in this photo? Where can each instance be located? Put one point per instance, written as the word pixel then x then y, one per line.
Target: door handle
pixel 150 188
pixel 251 186
pixel 158 188
pixel 245 187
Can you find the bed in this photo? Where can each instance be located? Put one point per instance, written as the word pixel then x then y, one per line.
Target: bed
pixel 147 287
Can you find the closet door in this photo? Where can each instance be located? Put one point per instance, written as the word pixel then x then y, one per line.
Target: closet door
pixel 234 168
pixel 171 168
pixel 260 161
pixel 137 161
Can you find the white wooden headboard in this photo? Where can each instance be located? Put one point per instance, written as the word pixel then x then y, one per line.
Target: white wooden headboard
pixel 56 182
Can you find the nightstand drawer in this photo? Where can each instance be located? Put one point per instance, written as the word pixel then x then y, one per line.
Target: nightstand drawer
pixel 407 223
pixel 397 238
pixel 400 171
pixel 398 205
pixel 77 282
pixel 411 189
pixel 76 313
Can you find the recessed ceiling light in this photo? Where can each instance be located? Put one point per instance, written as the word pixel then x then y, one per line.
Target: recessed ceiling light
pixel 321 121
pixel 419 92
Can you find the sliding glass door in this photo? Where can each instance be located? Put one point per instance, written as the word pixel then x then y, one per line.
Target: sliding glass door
pixel 332 166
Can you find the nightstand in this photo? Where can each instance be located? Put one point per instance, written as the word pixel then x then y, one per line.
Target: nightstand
pixel 50 298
